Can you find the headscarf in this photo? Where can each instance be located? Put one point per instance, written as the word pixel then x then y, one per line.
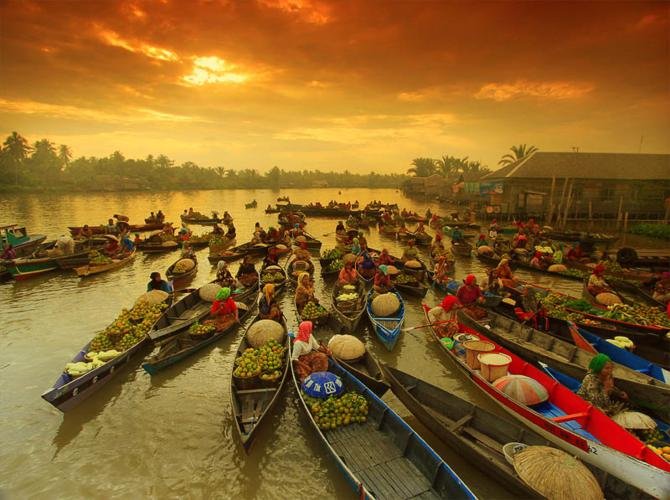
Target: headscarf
pixel 537 254
pixel 384 269
pixel 304 331
pixel 223 293
pixel 355 241
pixel 482 237
pixel 385 251
pixel 470 279
pixel 598 362
pixel 301 277
pixel 502 263
pixel 221 265
pixel 448 302
pixel 599 270
pixel 269 291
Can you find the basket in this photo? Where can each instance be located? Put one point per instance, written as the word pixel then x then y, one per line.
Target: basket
pixel 494 365
pixel 201 337
pixel 246 383
pixel 473 348
pixel 269 383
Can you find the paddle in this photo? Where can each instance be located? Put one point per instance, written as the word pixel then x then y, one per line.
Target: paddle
pixel 425 326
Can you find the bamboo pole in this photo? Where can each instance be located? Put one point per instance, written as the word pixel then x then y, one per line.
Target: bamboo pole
pixel 561 202
pixel 567 205
pixel 590 215
pixel 619 213
pixel 551 200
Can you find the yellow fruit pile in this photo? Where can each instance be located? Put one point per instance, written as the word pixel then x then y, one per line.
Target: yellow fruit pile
pixel 272 277
pixel 247 365
pixel 313 311
pixel 265 361
pixel 334 412
pixel 200 330
pixel 128 328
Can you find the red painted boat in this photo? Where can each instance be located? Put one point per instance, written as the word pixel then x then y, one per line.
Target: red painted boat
pixel 573 424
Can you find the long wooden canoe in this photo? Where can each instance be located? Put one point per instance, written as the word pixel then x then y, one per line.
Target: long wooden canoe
pixel 181 315
pixel 369 371
pixel 250 405
pixel 292 274
pixel 384 457
pixel 90 269
pixel 387 329
pixel 572 424
pixel 134 228
pixel 350 315
pixel 478 435
pixel 172 276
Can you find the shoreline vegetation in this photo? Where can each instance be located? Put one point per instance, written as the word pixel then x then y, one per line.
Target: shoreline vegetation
pixel 44 166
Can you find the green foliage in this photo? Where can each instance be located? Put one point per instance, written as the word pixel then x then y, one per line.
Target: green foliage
pixel 519 152
pixel 661 231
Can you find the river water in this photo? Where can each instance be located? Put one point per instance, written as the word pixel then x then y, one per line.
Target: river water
pixel 171 435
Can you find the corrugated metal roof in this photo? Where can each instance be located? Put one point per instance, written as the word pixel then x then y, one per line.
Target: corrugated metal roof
pixel 625 166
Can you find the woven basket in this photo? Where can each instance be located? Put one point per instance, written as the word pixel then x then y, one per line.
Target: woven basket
pixel 473 348
pixel 247 382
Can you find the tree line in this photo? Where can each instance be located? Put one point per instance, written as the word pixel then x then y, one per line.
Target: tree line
pixel 45 165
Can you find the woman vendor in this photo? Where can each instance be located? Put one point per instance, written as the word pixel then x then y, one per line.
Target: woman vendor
pixel 348 274
pixel 340 229
pixel 385 258
pixel 441 316
pixel 598 386
pixel 355 246
pixel 224 309
pixel 223 275
pixel 272 258
pixel 304 293
pixel 382 280
pixel 443 268
pixel 410 252
pixel 503 274
pixel 307 355
pixel 247 274
pixel 437 247
pixel 268 308
pixel 597 283
pixel 112 247
pixel 366 265
pixel 469 295
pixel 157 283
pixel 362 241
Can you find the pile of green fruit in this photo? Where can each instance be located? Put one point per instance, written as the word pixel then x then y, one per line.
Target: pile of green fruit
pixel 272 277
pixel 638 314
pixel 271 356
pixel 200 330
pixel 335 265
pixel 96 258
pixel 331 254
pixel 128 328
pixel 247 365
pixel 313 311
pixel 336 411
pixel 405 279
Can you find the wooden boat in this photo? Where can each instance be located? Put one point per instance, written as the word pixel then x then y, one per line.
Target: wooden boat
pixel 293 273
pixel 534 345
pixel 240 251
pixel 639 293
pixel 312 242
pixel 387 329
pixel 422 239
pixel 201 220
pixel 384 457
pixel 251 405
pixel 330 274
pixel 157 246
pixel 462 248
pixel 625 274
pixel 321 320
pixel 479 436
pixel 219 248
pixel 279 285
pixel 25 268
pixel 412 289
pixel 67 392
pixel 22 243
pixel 367 370
pixel 493 261
pixel 252 204
pixel 180 346
pixel 573 425
pixel 172 276
pixel 584 238
pixel 349 314
pixel 182 314
pixel 90 269
pixel 134 228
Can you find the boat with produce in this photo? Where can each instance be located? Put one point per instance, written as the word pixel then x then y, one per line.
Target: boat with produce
pixel 378 453
pixel 368 370
pixel 348 302
pixel 482 437
pixel 332 268
pixel 533 345
pixel 295 266
pixel 566 420
pixel 22 243
pixel 25 268
pixel 312 311
pixel 182 269
pixel 218 245
pixel 101 264
pixel 275 275
pixel 133 228
pixel 388 324
pixel 256 382
pixel 588 239
pixel 200 219
pixel 252 204
pixel 367 277
pixel 239 252
pixel 637 292
pixel 408 285
pixel 517 263
pixel 189 340
pixel 102 358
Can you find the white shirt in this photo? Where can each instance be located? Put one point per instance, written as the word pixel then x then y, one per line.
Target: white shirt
pixel 300 347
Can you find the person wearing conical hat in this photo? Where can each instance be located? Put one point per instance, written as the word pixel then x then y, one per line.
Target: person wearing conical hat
pixel 598 386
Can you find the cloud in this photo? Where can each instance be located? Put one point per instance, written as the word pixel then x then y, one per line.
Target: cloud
pixel 113 39
pixel 541 90
pixel 211 69
pixel 309 11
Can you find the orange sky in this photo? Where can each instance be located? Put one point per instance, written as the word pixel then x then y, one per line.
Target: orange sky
pixel 364 85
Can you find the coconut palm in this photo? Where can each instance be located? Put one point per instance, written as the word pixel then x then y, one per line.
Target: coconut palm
pixel 422 167
pixel 64 155
pixel 17 146
pixel 520 152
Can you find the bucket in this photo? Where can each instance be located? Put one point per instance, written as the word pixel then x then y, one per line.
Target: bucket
pixel 494 365
pixel 473 348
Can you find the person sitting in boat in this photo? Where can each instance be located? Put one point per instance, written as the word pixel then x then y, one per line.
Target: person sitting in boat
pixel 429 214
pixel 247 274
pixel 410 252
pixel 223 275
pixel 187 252
pixel 121 218
pixel 231 233
pixel 138 239
pixel 457 236
pixel 191 213
pixel 158 283
pixel 520 240
pixel 385 258
pixel 152 218
pixel 355 246
pixel 598 387
pixel 273 235
pixel 382 283
pixel 307 355
pixel 402 229
pixel 340 229
pixel 304 293
pixel 597 283
pixel 420 229
pixel 226 217
pixel 268 308
pixel 160 217
pixel 348 274
pixel 469 295
pixel 443 268
pixel 557 257
pixel 112 247
pixel 437 247
pixel 537 261
pixel 481 242
pixel 576 254
pixel 272 257
pixel 302 252
pixel 224 310
pixel 126 244
pixel 367 265
pixel 362 241
pixel 503 275
pixel 443 316
pixel 111 228
pixel 9 253
pixel 85 233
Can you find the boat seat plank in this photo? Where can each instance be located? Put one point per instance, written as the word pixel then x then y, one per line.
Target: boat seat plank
pixel 483 438
pixel 461 422
pixel 550 411
pixel 244 392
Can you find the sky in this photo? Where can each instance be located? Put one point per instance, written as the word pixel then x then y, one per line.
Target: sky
pixel 362 85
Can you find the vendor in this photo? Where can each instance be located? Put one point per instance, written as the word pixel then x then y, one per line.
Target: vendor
pixel 157 283
pixel 272 258
pixel 597 283
pixel 382 282
pixel 348 274
pixel 437 248
pixel 443 268
pixel 231 233
pixel 385 258
pixel 307 355
pixel 575 253
pixel 223 275
pixel 362 241
pixel 247 274
pixel 440 315
pixel 410 252
pixel 355 246
pixel 457 236
pixel 268 307
pixel 470 295
pixel 304 292
pixel 482 241
pixel 503 274
pixel 85 233
pixel 160 216
pixel 302 253
pixel 598 386
pixel 537 262
pixel 340 229
pixel 224 309
pixel 112 247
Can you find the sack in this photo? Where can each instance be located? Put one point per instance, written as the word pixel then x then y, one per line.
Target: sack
pixel 413 264
pixel 557 268
pixel 208 292
pixel 183 266
pixel 385 305
pixel 264 330
pixel 152 297
pixel 607 299
pixel 346 347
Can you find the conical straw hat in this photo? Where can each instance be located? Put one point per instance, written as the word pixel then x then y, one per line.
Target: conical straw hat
pixel 556 475
pixel 634 420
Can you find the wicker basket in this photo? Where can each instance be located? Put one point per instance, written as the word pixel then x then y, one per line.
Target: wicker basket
pixel 201 337
pixel 246 382
pixel 473 348
pixel 269 383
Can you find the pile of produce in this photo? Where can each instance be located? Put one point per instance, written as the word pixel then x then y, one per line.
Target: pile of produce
pixel 263 331
pixel 199 238
pixel 128 328
pixel 218 243
pixel 335 265
pixel 265 361
pixel 386 304
pixel 313 311
pixel 346 347
pixel 272 277
pixel 183 266
pixel 621 342
pixel 405 279
pixel 201 330
pixel 348 294
pixel 661 231
pixel 335 411
pixel 331 254
pixel 247 365
pixel 97 259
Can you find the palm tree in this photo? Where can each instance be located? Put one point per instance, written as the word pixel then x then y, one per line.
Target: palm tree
pixel 422 167
pixel 17 147
pixel 64 155
pixel 520 152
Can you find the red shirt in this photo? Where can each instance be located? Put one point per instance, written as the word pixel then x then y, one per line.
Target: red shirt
pixel 222 308
pixel 468 294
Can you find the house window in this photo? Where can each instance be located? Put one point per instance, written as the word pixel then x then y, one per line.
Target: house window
pixel 607 194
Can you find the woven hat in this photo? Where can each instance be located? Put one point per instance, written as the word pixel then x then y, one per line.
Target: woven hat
pixel 634 420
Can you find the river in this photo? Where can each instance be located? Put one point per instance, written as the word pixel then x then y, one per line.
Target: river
pixel 171 435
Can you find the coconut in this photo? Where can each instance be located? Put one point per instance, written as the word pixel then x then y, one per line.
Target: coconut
pixel 385 305
pixel 346 347
pixel 557 268
pixel 208 292
pixel 607 299
pixel 413 264
pixel 264 330
pixel 152 297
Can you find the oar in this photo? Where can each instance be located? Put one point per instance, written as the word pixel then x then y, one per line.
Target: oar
pixel 425 326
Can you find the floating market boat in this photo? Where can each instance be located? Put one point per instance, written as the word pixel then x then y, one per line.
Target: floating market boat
pixel 240 252
pixel 582 237
pixel 321 319
pixel 368 370
pixel 410 287
pixel 383 457
pixel 480 436
pixel 387 329
pixel 172 275
pixel 252 204
pixel 639 292
pixel 133 228
pixel 182 345
pixel 17 236
pixel 349 312
pixel 572 424
pixel 201 220
pixel 252 401
pixel 312 242
pixel 462 248
pixel 294 267
pixel 90 269
pixel 25 268
pixel 158 246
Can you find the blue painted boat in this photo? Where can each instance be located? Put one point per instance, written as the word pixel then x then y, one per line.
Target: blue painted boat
pixel 625 357
pixel 384 457
pixel 387 329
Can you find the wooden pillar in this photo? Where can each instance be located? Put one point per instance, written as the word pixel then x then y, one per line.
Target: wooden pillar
pixel 590 215
pixel 551 200
pixel 619 213
pixel 561 203
pixel 568 200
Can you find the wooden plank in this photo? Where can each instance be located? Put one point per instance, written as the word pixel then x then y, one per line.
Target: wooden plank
pixel 460 422
pixel 243 392
pixel 483 438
